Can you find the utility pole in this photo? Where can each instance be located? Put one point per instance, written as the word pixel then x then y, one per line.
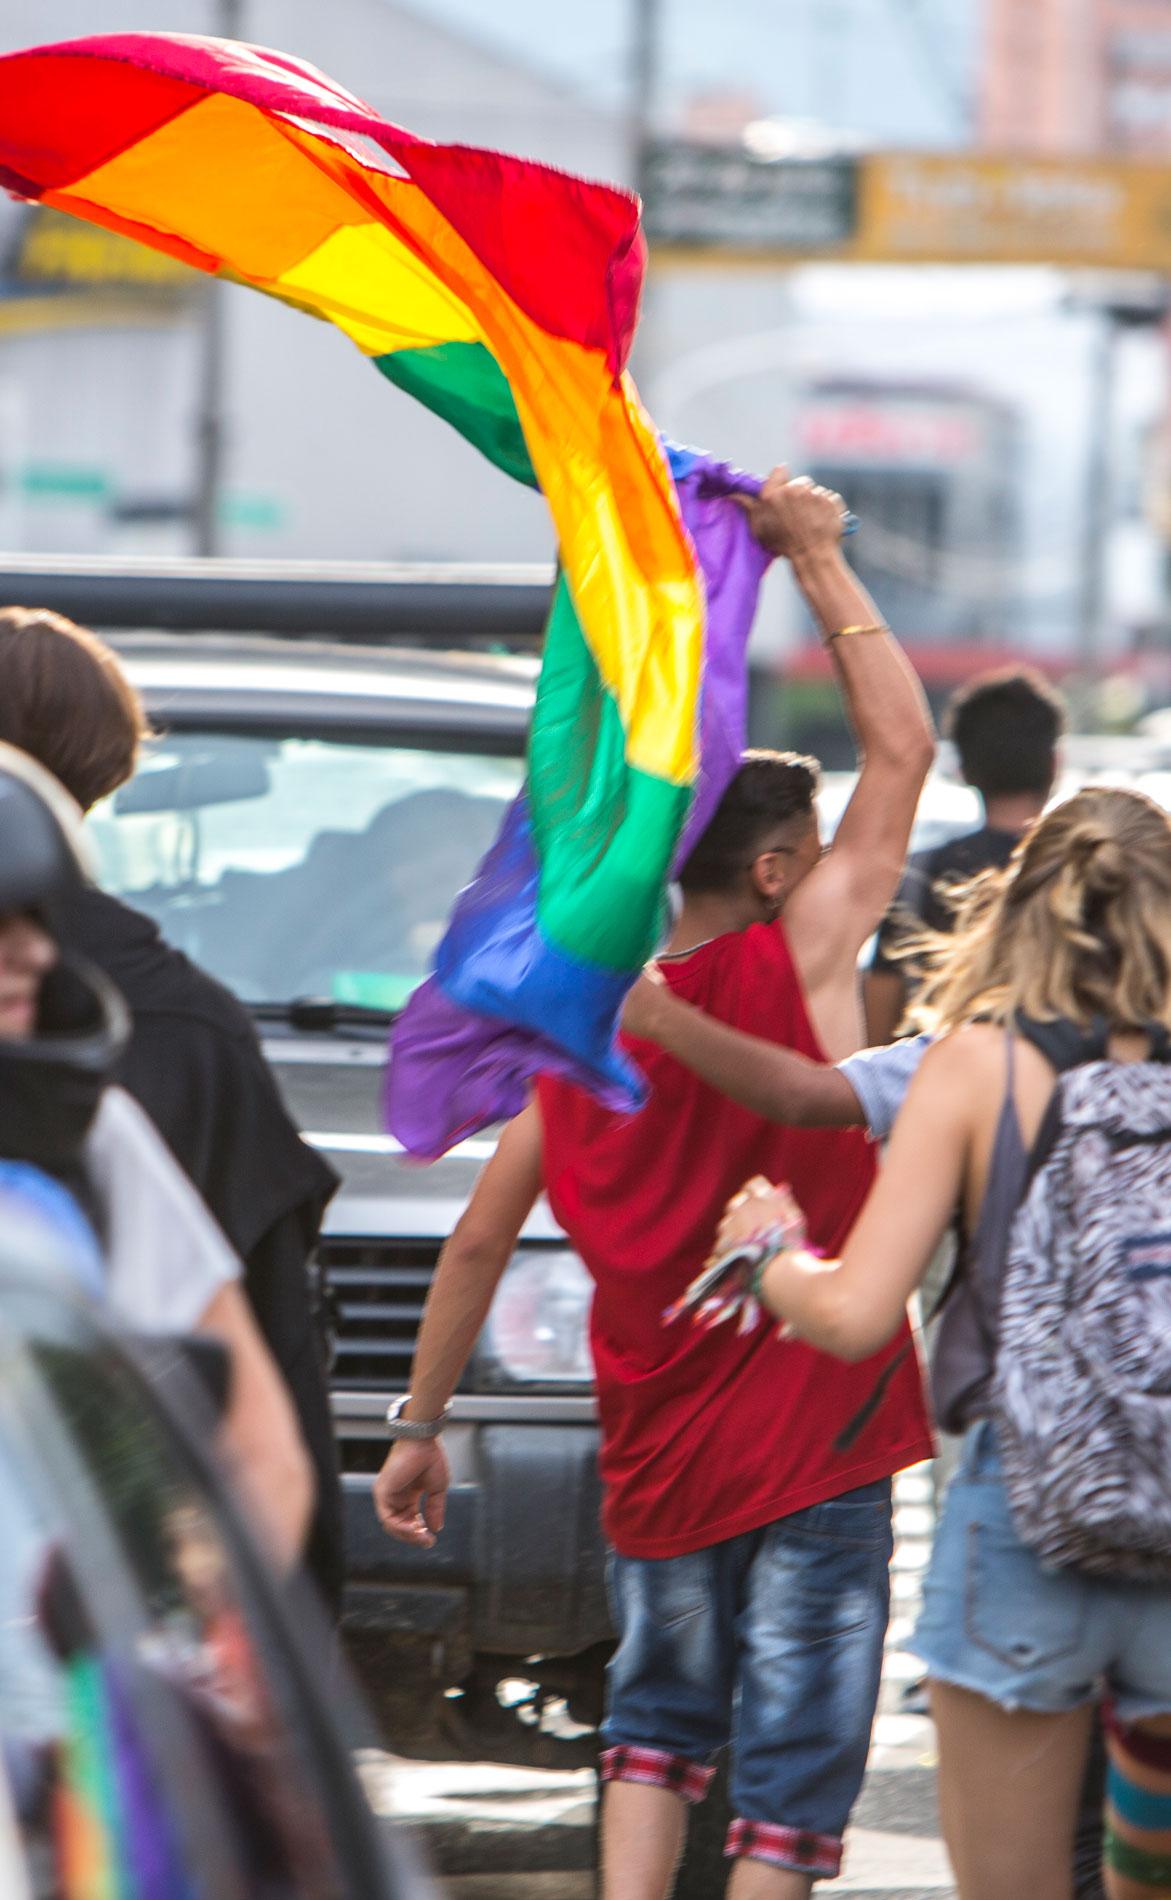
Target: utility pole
pixel 1096 524
pixel 1115 307
pixel 642 103
pixel 645 43
pixel 832 43
pixel 227 24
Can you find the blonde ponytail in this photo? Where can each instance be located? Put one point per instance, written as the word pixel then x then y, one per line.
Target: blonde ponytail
pixel 1078 926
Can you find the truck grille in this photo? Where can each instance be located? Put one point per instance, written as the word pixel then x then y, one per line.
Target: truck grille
pixel 376 1292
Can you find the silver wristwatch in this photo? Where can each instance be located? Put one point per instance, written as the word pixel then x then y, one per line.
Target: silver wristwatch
pixel 400 1427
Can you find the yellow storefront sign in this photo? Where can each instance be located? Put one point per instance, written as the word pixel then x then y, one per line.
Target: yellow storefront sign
pixel 914 208
pixel 52 251
pixel 945 208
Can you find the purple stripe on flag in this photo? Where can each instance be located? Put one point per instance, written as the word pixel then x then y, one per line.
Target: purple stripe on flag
pixel 733 565
pixel 460 1061
pixel 149 1849
pixel 454 1068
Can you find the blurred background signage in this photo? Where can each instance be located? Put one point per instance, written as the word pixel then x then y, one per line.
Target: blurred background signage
pixel 946 208
pixel 722 197
pixel 50 254
pixel 892 207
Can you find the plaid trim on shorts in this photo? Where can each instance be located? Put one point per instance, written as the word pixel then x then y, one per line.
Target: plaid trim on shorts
pixel 795 1848
pixel 655 1768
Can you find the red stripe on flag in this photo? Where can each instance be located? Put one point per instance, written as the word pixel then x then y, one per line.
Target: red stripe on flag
pixel 568 251
pixel 61 118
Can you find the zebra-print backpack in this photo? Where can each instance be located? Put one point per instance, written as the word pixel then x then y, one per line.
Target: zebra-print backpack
pixel 1082 1383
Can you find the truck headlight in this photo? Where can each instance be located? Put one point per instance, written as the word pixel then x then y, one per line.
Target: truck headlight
pixel 538 1328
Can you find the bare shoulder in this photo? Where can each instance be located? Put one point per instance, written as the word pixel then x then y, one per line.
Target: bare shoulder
pixel 959 1066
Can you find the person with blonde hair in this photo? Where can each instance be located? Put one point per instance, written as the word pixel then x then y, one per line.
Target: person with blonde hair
pixel 1042 1111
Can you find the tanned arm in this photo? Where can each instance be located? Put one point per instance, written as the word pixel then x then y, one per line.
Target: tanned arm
pixel 840 902
pixel 776 1083
pixel 466 1278
pixel 852 1306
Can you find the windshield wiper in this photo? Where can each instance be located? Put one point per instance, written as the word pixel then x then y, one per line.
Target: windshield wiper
pixel 323 1013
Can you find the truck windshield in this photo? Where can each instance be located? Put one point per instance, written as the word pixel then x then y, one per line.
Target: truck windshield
pixel 302 867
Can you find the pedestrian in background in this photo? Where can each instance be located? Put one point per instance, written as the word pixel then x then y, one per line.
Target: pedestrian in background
pixel 193 1061
pixel 1056 990
pixel 1006 727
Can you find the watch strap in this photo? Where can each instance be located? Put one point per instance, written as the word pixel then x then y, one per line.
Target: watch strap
pixel 399 1427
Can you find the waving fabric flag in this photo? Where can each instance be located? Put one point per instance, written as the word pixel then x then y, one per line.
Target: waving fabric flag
pixel 504 296
pixel 456 1067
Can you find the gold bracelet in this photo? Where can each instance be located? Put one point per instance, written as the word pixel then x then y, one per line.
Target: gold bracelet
pixel 872 626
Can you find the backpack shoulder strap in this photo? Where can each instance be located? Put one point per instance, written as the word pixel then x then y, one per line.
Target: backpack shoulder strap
pixel 1001 1156
pixel 1063 1044
pixel 1160 1050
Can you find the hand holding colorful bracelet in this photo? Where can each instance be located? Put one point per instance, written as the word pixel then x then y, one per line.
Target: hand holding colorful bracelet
pixel 729 1283
pixel 758 1207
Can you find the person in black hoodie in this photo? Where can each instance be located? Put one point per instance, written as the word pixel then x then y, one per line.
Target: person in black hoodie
pixel 193 1060
pixel 77 1153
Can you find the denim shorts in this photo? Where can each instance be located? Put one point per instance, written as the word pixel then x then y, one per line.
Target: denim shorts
pixel 771 1641
pixel 997 1620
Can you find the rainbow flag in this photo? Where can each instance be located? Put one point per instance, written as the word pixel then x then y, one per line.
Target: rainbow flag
pixel 504 296
pixel 115 1836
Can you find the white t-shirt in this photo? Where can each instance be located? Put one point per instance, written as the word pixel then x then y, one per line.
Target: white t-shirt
pixel 166 1257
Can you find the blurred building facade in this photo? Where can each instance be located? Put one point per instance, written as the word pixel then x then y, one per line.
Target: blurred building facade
pixel 1075 76
pixel 954 414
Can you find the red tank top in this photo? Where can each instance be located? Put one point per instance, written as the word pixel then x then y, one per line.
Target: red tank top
pixel 708 1434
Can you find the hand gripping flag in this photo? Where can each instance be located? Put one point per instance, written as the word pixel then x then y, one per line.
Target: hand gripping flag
pixel 504 296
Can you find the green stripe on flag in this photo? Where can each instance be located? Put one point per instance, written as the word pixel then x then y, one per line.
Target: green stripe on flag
pixel 463 383
pixel 604 831
pixel 92 1775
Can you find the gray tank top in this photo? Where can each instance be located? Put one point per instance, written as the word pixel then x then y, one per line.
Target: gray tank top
pixel 965 1348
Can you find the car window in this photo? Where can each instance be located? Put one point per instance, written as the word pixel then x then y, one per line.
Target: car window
pixel 302 866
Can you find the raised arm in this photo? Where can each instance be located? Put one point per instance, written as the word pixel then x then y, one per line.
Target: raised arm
pixel 466 1277
pixel 771 1081
pixel 852 1306
pixel 840 903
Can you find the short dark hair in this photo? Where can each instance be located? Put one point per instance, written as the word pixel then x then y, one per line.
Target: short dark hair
pixel 1005 727
pixel 769 789
pixel 65 700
